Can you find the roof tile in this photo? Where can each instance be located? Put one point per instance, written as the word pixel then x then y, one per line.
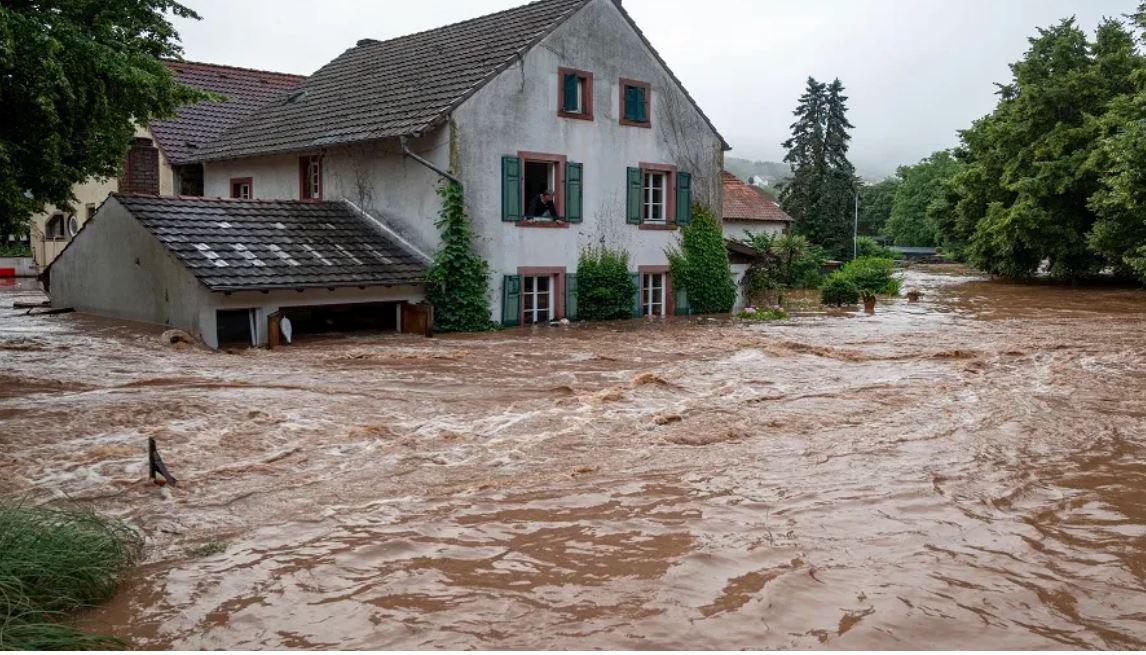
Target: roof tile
pixel 744 202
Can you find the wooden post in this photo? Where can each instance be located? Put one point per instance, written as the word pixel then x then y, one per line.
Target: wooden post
pixel 157 465
pixel 274 330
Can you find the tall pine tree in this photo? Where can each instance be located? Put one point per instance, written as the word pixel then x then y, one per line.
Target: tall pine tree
pixel 821 192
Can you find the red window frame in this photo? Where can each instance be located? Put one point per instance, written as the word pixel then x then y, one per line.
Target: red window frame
pixel 559 180
pixel 556 291
pixel 303 163
pixel 236 181
pixel 670 191
pixel 586 94
pixel 624 82
pixel 668 304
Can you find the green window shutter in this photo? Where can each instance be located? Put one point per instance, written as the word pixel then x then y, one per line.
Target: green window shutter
pixel 637 296
pixel 642 105
pixel 683 198
pixel 631 101
pixel 511 300
pixel 569 93
pixel 680 301
pixel 633 200
pixel 571 296
pixel 510 189
pixel 574 174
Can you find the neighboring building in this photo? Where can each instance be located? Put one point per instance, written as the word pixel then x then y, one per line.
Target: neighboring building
pixel 226 269
pixel 162 159
pixel 565 95
pixel 750 209
pixel 758 180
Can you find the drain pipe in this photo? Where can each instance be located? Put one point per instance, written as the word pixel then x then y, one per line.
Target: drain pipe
pixel 423 161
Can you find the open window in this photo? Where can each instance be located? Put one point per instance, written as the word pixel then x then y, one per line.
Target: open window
pixel 56 227
pixel 242 188
pixel 636 103
pixel 310 177
pixel 527 177
pixel 574 94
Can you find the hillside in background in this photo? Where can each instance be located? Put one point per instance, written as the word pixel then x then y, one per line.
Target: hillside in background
pixel 745 168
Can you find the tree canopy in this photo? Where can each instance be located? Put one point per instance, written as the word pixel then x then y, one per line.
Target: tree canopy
pixel 1054 174
pixel 917 199
pixel 821 191
pixel 76 76
pixel 875 205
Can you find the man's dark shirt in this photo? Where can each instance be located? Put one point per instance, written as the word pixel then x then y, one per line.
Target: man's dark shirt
pixel 539 208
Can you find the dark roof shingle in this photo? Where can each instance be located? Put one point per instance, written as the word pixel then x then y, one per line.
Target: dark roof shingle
pixel 244 91
pixel 402 86
pixel 264 244
pixel 744 202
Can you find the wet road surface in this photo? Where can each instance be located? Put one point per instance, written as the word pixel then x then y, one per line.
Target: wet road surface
pixel 965 472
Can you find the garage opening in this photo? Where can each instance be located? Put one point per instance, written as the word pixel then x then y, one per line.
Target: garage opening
pixel 235 327
pixel 328 319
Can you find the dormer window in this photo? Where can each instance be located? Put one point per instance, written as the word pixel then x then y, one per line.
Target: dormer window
pixel 574 94
pixel 242 188
pixel 636 103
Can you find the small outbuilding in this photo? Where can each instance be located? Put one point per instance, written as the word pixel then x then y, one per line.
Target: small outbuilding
pixel 229 270
pixel 748 208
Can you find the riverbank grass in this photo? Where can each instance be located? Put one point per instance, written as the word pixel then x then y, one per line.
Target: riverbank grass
pixel 54 562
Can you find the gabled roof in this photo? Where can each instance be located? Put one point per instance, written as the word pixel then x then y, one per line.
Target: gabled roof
pixel 233 245
pixel 744 202
pixel 245 90
pixel 401 87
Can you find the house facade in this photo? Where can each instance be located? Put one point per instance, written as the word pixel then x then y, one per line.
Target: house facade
pixel 750 210
pixel 162 157
pixel 564 95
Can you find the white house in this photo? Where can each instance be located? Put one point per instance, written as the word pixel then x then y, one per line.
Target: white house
pixel 565 95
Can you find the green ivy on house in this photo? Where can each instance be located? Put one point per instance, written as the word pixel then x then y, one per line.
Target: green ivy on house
pixel 700 264
pixel 457 281
pixel 605 288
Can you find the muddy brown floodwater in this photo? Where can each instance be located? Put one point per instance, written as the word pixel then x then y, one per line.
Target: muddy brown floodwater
pixel 965 472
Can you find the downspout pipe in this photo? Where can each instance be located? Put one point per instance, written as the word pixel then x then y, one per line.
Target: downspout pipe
pixel 425 162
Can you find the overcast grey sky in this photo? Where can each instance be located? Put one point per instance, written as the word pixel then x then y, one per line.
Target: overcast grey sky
pixel 916 70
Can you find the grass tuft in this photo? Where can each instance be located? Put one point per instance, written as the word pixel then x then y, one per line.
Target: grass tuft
pixel 56 561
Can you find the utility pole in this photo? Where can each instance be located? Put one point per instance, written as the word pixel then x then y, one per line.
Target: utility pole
pixel 856 228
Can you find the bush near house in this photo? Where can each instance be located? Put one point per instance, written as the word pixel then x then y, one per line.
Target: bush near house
pixel 53 562
pixel 783 261
pixel 869 247
pixel 700 265
pixel 605 288
pixel 458 279
pixel 839 290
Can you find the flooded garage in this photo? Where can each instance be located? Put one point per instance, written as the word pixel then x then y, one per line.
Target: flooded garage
pixel 968 471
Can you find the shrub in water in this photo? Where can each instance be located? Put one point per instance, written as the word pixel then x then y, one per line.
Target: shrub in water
pixel 53 562
pixel 872 273
pixel 869 247
pixel 605 286
pixel 839 290
pixel 458 279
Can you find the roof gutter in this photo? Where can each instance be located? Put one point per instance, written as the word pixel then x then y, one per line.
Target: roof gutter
pixel 425 162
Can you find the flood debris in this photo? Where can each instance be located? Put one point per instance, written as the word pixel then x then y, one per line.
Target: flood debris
pixel 157 470
pixel 172 337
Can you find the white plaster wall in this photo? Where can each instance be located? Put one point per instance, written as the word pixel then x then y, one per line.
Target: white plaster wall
pixel 375 176
pixel 116 268
pixel 518 112
pixel 735 229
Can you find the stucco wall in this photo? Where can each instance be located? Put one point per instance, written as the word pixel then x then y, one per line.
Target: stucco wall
pixel 518 112
pixel 374 176
pixel 736 229
pixel 114 267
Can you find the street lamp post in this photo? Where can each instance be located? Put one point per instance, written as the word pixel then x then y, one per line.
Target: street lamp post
pixel 856 228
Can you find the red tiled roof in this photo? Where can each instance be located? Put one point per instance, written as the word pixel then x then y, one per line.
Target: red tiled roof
pixel 245 90
pixel 744 202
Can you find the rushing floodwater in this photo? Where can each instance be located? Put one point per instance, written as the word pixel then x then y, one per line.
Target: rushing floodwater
pixel 965 472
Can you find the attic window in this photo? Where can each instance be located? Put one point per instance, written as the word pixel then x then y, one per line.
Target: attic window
pixel 295 95
pixel 574 94
pixel 636 103
pixel 242 188
pixel 310 177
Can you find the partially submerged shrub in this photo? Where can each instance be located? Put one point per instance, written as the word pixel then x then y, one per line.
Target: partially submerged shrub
pixel 869 247
pixel 605 287
pixel 457 282
pixel 783 261
pixel 839 290
pixel 872 273
pixel 53 562
pixel 776 313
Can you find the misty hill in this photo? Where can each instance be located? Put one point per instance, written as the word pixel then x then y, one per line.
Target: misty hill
pixel 769 170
